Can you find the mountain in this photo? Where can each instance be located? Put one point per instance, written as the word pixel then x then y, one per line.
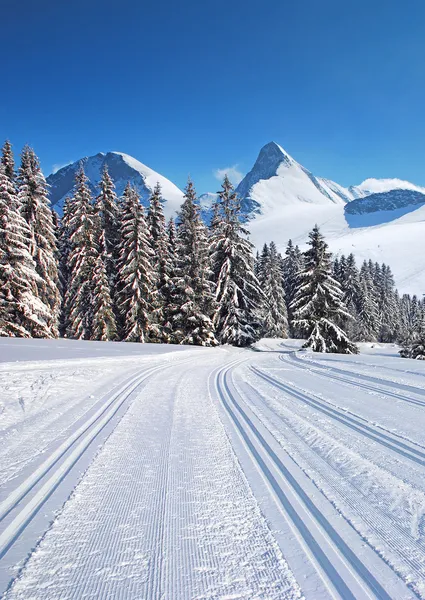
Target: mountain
pixel 122 168
pixel 381 219
pixel 278 180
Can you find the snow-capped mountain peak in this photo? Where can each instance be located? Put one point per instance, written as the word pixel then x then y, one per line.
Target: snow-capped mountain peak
pixel 122 168
pixel 276 180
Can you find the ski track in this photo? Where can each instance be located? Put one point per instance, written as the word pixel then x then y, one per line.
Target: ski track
pixel 225 475
pixel 336 468
pixel 179 520
pixel 358 379
pixel 343 561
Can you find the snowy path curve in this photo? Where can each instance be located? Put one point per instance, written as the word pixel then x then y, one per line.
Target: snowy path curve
pixel 406 448
pixel 343 568
pixel 356 379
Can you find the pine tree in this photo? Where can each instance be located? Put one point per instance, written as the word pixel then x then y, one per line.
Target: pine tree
pixel 83 233
pixel 238 293
pixel 193 290
pixel 135 278
pixel 368 312
pixel 263 265
pixel 291 266
pixel 107 209
pixel 275 315
pixel 64 249
pixel 318 304
pixel 21 312
pixel 160 326
pixel 414 345
pixel 35 207
pixel 104 325
pixel 8 161
pixel 387 305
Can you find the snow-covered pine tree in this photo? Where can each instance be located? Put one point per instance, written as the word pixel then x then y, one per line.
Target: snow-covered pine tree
pixel 348 277
pixel 388 308
pixel 107 209
pixel 21 311
pixel 318 304
pixel 35 207
pixel 104 324
pixel 238 293
pixel 135 275
pixel 414 344
pixel 368 323
pixel 8 161
pixel 263 265
pixel 64 249
pixel 291 266
pixel 192 305
pixel 172 237
pixel 275 324
pixel 158 237
pixel 83 232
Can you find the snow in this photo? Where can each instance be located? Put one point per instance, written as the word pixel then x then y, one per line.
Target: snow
pixel 170 191
pixel 147 471
pixel 377 186
pixel 397 242
pixel 285 201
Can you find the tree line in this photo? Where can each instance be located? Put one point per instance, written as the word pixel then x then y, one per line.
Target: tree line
pixel 111 270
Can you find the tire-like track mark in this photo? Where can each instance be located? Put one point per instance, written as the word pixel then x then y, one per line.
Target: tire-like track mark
pixel 342 570
pixel 411 450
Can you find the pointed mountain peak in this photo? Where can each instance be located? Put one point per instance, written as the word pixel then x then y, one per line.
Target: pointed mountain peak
pixel 273 154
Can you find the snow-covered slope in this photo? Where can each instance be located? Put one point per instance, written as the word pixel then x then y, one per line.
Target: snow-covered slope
pixel 381 219
pixel 277 180
pixel 210 473
pixel 122 168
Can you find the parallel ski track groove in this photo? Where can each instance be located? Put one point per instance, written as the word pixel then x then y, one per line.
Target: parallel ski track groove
pixel 95 424
pixel 417 456
pixel 339 375
pixel 375 520
pixel 337 581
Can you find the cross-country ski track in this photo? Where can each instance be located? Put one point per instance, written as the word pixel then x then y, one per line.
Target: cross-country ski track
pixel 196 473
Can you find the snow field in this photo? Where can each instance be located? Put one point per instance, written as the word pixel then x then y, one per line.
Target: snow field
pixel 163 511
pixel 231 474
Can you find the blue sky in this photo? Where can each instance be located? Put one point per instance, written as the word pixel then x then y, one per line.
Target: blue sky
pixel 198 86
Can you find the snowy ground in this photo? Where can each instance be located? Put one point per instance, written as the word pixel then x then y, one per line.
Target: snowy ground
pixel 137 471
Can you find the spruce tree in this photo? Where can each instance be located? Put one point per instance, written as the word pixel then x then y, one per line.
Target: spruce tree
pixel 35 207
pixel 104 325
pixel 291 266
pixel 159 241
pixel 21 312
pixel 192 304
pixel 238 294
pixel 275 316
pixel 414 345
pixel 8 161
pixel 64 249
pixel 107 209
pixel 263 264
pixel 135 276
pixel 83 233
pixel 318 304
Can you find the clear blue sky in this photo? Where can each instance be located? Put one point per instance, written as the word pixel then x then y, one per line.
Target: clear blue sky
pixel 195 86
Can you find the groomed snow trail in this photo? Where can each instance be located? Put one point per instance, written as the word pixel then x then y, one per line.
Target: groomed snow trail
pixel 164 510
pixel 231 474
